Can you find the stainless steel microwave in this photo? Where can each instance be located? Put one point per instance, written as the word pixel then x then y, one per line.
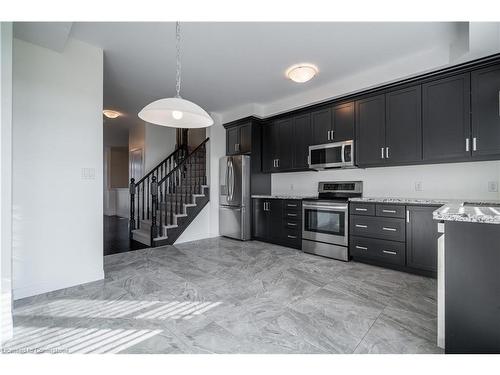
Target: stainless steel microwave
pixel 332 155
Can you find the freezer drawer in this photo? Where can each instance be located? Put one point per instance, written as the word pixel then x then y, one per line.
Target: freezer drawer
pixel 234 222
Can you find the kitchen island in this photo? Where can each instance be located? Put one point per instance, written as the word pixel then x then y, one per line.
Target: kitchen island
pixel 468 277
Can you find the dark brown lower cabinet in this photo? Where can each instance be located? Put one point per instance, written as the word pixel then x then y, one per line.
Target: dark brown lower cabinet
pixel 421 238
pixel 397 236
pixel 277 221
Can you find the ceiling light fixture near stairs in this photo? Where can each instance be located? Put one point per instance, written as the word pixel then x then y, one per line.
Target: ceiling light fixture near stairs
pixel 176 112
pixel 301 73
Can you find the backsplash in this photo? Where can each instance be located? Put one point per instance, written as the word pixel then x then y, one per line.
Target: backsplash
pixel 440 181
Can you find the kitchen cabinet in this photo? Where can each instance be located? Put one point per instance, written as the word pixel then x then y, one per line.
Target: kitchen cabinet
pixel 403 126
pixel 321 121
pixel 343 122
pixel 394 235
pixel 280 145
pixel 421 238
pixel 301 141
pixel 277 221
pixel 486 112
pixel 446 119
pixel 239 139
pixel 370 131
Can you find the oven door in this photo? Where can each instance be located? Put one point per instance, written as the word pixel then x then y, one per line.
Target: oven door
pixel 325 222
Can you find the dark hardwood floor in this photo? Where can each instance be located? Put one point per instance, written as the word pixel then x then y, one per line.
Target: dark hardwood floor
pixel 116 237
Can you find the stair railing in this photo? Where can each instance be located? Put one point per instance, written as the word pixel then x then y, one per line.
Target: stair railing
pixel 163 192
pixel 141 199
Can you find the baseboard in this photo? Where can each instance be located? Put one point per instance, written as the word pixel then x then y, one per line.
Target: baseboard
pixel 50 286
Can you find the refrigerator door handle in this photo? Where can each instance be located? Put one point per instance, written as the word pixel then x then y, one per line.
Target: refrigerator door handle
pixel 232 179
pixel 227 179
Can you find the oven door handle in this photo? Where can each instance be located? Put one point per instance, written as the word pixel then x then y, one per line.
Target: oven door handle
pixel 342 153
pixel 327 208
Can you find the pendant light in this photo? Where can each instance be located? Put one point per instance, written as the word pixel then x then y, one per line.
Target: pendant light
pixel 176 112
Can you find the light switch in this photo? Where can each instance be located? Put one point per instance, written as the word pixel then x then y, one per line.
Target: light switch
pixel 492 186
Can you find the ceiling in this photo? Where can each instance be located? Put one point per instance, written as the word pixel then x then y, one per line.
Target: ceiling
pixel 225 65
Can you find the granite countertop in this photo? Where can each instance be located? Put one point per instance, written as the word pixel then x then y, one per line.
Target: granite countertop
pixel 284 196
pixel 422 201
pixel 487 212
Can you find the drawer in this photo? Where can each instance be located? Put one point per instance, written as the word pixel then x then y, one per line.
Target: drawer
pixel 391 210
pixel 293 225
pixel 374 249
pixel 292 215
pixel 292 204
pixel 292 239
pixel 362 208
pixel 385 228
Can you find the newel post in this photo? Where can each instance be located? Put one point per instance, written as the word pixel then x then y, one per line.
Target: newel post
pixel 154 204
pixel 131 220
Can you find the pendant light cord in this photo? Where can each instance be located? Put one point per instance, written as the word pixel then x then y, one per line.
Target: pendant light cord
pixel 178 62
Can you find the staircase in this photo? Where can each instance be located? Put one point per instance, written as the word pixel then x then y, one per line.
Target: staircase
pixel 165 201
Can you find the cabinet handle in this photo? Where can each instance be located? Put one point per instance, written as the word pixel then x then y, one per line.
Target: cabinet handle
pixel 407 216
pixel 361 209
pixel 308 160
pixel 467 144
pixel 389 229
pixel 292 237
pixel 474 148
pixel 382 151
pixel 278 163
pixel 361 226
pixel 291 205
pixel 387 152
pixel 389 211
pixel 328 134
pixel 389 252
pixel 361 247
pixel 293 215
pixel 292 224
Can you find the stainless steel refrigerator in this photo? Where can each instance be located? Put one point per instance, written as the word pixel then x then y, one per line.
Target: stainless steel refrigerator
pixel 234 197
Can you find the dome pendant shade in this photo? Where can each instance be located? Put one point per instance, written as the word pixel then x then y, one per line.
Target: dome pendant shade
pixel 176 113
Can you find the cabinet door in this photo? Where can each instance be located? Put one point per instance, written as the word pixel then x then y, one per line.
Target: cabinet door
pixel 276 223
pixel 232 140
pixel 267 148
pixel 343 122
pixel 421 238
pixel 486 112
pixel 403 126
pixel 301 140
pixel 321 126
pixel 283 143
pixel 370 131
pixel 245 138
pixel 260 219
pixel 446 119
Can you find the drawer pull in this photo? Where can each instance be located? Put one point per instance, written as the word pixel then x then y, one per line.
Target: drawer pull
pixel 361 226
pixel 361 209
pixel 389 211
pixel 292 237
pixel 292 224
pixel 291 205
pixel 292 215
pixel 389 229
pixel 389 252
pixel 361 247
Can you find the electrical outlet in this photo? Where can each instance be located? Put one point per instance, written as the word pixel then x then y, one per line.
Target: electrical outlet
pixel 419 186
pixel 492 186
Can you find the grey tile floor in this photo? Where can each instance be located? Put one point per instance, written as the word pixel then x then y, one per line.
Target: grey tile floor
pixel 224 296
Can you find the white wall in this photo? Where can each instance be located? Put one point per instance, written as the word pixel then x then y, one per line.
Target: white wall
pixel 446 181
pixel 6 181
pixel 159 142
pixel 57 131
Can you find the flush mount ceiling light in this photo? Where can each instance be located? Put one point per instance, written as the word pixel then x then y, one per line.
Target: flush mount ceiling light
pixel 176 112
pixel 109 113
pixel 301 72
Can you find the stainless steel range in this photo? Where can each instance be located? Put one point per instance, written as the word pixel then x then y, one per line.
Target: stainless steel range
pixel 325 223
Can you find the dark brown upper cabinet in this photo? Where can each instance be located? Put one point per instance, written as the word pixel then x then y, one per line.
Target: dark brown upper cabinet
pixel 322 129
pixel 343 122
pixel 403 126
pixel 370 131
pixel 486 112
pixel 239 139
pixel 301 141
pixel 446 119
